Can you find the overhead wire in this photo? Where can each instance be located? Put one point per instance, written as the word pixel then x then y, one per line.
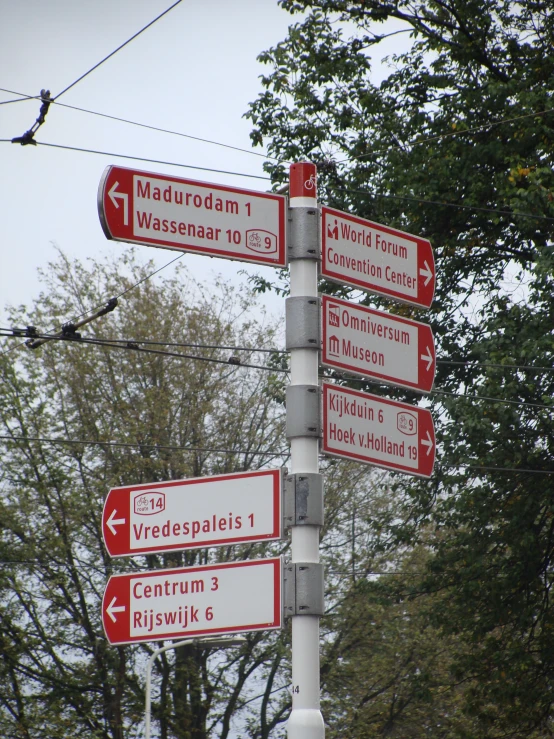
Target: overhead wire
pixel 153 161
pixel 442 202
pixel 120 295
pixel 9 332
pixel 131 346
pixel 121 46
pixel 521 403
pixel 237 363
pixel 280 454
pixel 269 179
pixel 153 128
pixel 133 445
pixel 457 132
pixel 469 363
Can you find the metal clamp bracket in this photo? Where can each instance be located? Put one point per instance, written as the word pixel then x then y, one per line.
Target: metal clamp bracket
pixel 303 500
pixel 303 592
pixel 303 236
pixel 303 411
pixel 303 323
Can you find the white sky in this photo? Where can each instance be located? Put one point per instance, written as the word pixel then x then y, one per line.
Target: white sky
pixel 194 71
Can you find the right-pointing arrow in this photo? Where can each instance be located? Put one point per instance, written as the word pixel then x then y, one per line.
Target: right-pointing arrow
pixel 428 443
pixel 426 272
pixel 112 608
pixel 427 358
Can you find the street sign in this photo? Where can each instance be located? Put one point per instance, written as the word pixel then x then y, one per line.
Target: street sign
pixel 173 213
pixel 375 344
pixel 378 431
pixel 193 601
pixel 193 513
pixel 377 258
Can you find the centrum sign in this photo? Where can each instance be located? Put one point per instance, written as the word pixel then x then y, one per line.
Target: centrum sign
pixel 188 514
pixel 375 344
pixel 378 431
pixel 377 258
pixel 193 601
pixel 216 220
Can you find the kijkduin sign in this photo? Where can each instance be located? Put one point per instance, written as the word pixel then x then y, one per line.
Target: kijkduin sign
pixel 217 220
pixel 378 431
pixel 377 258
pixel 193 601
pixel 375 344
pixel 193 513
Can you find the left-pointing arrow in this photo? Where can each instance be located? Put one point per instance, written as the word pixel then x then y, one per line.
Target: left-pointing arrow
pixel 112 522
pixel 112 608
pixel 125 197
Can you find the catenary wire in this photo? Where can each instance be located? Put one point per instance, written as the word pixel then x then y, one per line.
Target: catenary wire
pixel 149 127
pixel 253 350
pixel 12 332
pixel 152 161
pixel 120 295
pixel 101 343
pixel 281 454
pixel 522 403
pixel 441 202
pixel 142 350
pixel 268 179
pixel 449 134
pixel 151 23
pixel 133 445
pixel 494 400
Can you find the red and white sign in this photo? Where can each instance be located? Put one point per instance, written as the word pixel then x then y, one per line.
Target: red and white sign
pixel 378 431
pixel 193 601
pixel 375 344
pixel 193 513
pixel 216 220
pixel 377 258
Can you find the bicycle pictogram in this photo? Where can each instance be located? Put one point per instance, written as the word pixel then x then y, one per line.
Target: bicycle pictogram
pixel 311 183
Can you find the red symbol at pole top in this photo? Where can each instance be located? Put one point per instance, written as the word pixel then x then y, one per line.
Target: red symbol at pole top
pixel 303 180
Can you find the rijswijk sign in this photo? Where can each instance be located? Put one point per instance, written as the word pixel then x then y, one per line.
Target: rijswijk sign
pixel 193 601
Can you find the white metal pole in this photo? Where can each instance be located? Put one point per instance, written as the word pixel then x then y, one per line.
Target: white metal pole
pixel 305 720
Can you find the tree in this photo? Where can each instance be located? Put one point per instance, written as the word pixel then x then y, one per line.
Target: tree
pixel 126 417
pixel 455 144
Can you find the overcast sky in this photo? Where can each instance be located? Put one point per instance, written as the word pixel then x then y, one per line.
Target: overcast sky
pixel 194 71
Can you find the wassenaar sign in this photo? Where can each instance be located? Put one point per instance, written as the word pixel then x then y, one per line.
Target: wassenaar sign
pixel 216 220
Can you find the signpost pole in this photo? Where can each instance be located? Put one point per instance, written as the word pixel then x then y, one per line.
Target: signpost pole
pixel 306 720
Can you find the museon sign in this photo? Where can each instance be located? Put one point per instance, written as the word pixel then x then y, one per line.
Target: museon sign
pixel 382 260
pixel 378 431
pixel 187 215
pixel 193 601
pixel 192 513
pixel 377 345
